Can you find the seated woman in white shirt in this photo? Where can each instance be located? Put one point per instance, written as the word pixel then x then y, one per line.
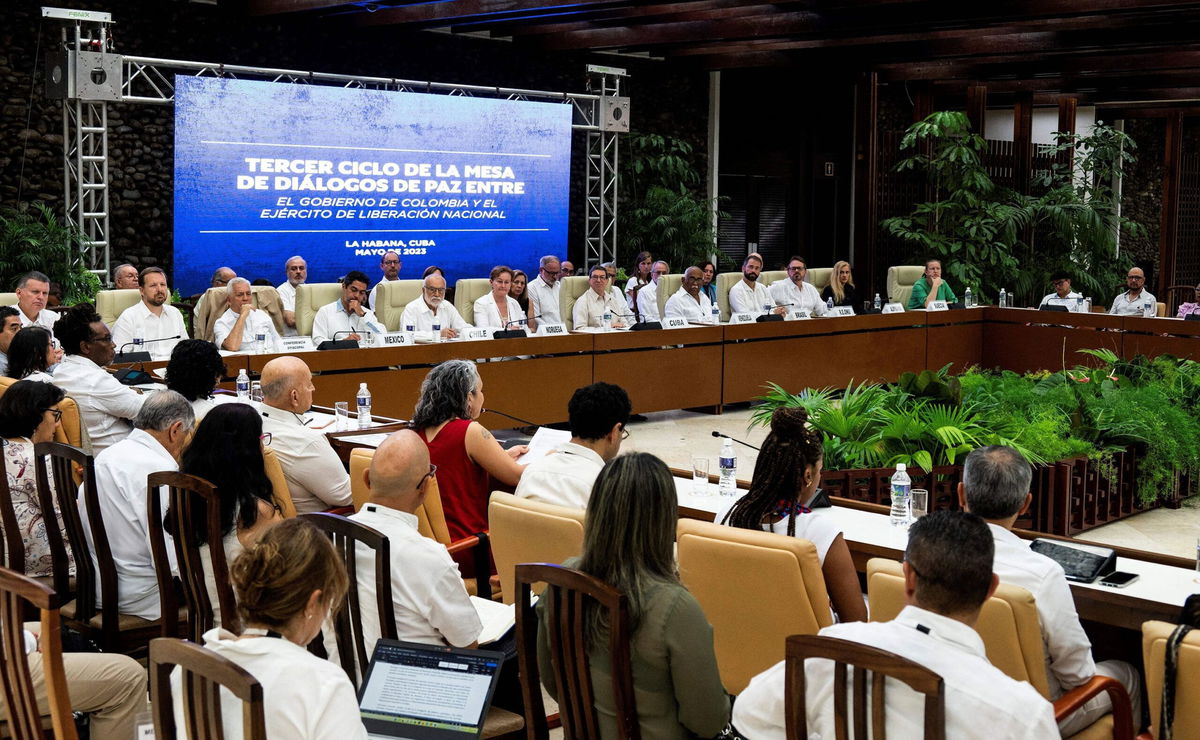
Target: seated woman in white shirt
pixel 497 309
pixel 285 586
pixel 785 481
pixel 31 354
pixel 227 451
pixel 193 371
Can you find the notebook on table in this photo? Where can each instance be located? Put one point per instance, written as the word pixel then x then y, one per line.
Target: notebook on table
pixel 427 692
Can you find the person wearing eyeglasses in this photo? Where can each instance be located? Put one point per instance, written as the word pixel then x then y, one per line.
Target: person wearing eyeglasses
pixel 598 414
pixel 297 272
pixel 390 264
pixel 33 355
pixel 544 292
pixel 1063 295
pixel 1136 300
pixel 107 408
pixel 598 300
pixel 348 317
pixel 794 293
pixel 227 450
pixel 690 302
pixel 431 307
pixel 431 606
pixel 647 297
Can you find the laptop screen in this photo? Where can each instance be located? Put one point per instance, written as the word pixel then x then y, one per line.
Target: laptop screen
pixel 427 691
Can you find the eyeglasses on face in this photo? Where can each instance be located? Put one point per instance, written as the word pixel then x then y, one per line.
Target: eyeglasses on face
pixel 432 472
pixel 624 433
pixel 56 413
pixel 265 438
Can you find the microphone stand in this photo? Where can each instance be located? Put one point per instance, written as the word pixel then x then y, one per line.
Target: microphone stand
pixel 142 356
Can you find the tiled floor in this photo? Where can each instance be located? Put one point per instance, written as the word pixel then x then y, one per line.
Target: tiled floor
pixel 678 436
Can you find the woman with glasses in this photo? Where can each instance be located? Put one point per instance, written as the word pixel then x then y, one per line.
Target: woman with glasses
pixel 498 309
pixel 27 417
pixel 32 353
pixel 841 286
pixel 628 542
pixel 227 451
pixel 470 462
pixel 786 479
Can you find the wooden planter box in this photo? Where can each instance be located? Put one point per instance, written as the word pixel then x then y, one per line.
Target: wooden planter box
pixel 1069 496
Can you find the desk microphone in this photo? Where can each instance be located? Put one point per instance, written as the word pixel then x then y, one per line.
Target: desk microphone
pixel 507 333
pixel 639 324
pixel 526 422
pixel 336 343
pixel 138 356
pixel 735 439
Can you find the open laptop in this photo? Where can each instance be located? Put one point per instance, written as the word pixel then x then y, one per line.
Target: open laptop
pixel 427 692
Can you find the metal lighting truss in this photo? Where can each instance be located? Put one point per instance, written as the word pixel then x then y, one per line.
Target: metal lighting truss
pixel 149 80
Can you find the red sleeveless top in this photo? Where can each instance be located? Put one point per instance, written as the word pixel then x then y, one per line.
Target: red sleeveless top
pixel 464 485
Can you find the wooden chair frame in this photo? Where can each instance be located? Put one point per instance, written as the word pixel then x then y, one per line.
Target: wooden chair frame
pixel 348 625
pixel 24 718
pixel 862 659
pixel 564 597
pixel 14 548
pixel 61 461
pixel 184 510
pixel 205 673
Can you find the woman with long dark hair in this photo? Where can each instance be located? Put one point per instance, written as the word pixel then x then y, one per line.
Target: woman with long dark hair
pixel 641 278
pixel 628 542
pixel 786 479
pixel 518 291
pixel 31 354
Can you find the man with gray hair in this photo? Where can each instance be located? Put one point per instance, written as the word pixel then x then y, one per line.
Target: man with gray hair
pixel 33 290
pixel 647 299
pixel 995 486
pixel 297 272
pixel 242 325
pixel 160 429
pixel 125 277
pixel 431 308
pixel 315 476
pixel 544 292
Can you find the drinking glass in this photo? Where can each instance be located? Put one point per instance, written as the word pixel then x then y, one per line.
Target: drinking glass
pixel 919 505
pixel 342 409
pixel 256 394
pixel 700 476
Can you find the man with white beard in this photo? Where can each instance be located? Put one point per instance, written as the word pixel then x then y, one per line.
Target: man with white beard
pixel 431 308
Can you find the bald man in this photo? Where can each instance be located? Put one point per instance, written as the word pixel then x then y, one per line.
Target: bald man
pixel 431 604
pixel 315 476
pixel 689 301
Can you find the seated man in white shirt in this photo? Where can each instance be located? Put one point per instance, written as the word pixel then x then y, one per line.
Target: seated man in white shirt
pixel 297 272
pixel 10 324
pixel 431 605
pixel 610 268
pixel 242 326
pixel 647 299
pixel 689 301
pixel 390 265
pixel 162 427
pixel 431 308
pixel 1137 301
pixel 315 475
pixel 1063 295
pixel 748 295
pixel 598 415
pixel 106 406
pixel 348 317
pixel 152 319
pixel 591 307
pixel 794 293
pixel 947 578
pixel 995 486
pixel 543 292
pixel 33 290
pixel 125 277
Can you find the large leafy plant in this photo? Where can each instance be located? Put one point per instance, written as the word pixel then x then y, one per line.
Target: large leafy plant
pixel 37 240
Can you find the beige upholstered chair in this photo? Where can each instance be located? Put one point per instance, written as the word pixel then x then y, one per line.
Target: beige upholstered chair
pixel 525 531
pixel 769 276
pixel 667 286
pixel 110 303
pixel 392 298
pixel 725 281
pixel 466 292
pixel 1011 636
pixel 213 304
pixel 9 299
pixel 572 288
pixel 1187 678
pixel 279 486
pixel 727 568
pixel 900 281
pixel 310 297
pixel 431 520
pixel 819 277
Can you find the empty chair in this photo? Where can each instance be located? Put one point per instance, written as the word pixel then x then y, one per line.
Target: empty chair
pixel 527 531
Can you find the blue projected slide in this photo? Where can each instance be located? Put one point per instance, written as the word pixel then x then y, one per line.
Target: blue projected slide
pixel 267 170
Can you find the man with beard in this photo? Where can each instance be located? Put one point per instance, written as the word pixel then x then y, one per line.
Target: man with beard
pixel 390 265
pixel 795 293
pixel 431 308
pixel 151 318
pixel 297 272
pixel 748 295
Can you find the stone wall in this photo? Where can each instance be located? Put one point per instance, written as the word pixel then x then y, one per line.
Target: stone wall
pixel 665 98
pixel 1141 194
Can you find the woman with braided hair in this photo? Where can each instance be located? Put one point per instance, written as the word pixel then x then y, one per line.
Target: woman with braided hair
pixel 785 481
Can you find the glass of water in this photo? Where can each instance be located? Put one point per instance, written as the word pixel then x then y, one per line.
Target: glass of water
pixel 700 476
pixel 342 409
pixel 918 503
pixel 256 393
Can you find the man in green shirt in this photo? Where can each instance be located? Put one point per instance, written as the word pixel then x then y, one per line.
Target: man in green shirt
pixel 930 288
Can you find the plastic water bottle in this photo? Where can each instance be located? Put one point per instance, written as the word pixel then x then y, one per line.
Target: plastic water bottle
pixel 716 314
pixel 901 496
pixel 437 337
pixel 968 298
pixel 364 406
pixel 243 385
pixel 1003 298
pixel 1148 309
pixel 606 321
pixel 829 303
pixel 260 343
pixel 878 302
pixel 727 461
